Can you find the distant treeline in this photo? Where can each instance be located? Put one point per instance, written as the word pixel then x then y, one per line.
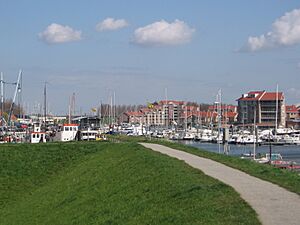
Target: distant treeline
pixel 17 109
pixel 107 110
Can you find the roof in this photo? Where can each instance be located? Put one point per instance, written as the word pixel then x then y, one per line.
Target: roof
pixel 228 107
pixel 261 96
pixel 251 96
pixel 199 114
pixel 171 102
pixel 230 114
pixel 291 109
pixel 269 96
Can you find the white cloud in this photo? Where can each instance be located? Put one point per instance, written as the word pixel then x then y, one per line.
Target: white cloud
pixel 294 92
pixel 163 33
pixel 111 24
pixel 56 33
pixel 285 32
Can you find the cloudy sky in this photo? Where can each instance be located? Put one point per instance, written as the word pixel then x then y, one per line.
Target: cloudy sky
pixel 137 49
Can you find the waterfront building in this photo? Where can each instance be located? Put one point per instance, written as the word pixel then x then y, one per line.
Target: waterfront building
pixel 292 116
pixel 136 117
pixel 261 107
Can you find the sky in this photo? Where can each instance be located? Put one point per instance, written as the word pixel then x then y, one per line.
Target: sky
pixel 144 51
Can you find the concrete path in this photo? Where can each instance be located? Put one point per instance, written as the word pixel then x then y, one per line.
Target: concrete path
pixel 273 204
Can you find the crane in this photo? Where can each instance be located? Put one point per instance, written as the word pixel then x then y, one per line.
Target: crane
pixel 18 89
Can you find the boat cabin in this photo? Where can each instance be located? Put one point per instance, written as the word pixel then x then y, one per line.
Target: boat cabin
pixel 89 135
pixel 67 132
pixel 37 136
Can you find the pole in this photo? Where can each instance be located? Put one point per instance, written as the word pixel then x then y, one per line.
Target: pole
pixel 276 111
pixel 219 105
pixel 14 99
pixel 2 98
pixel 270 149
pixel 166 109
pixel 254 134
pixel 45 104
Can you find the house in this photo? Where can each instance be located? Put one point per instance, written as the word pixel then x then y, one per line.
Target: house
pixel 135 117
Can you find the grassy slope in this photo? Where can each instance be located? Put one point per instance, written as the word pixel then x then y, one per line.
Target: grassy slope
pixel 104 183
pixel 284 178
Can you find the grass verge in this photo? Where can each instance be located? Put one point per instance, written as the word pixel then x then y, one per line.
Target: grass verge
pixel 284 178
pixel 110 183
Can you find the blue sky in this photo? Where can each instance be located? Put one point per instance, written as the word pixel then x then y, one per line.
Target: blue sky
pixel 192 48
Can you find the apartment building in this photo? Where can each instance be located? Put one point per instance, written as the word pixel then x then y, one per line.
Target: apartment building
pixel 261 107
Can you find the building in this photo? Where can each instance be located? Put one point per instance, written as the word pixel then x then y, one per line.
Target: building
pixel 261 107
pixel 136 117
pixel 292 116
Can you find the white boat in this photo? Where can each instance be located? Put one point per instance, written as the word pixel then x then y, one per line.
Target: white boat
pixel 88 135
pixel 188 136
pixel 296 139
pixel 68 132
pixel 37 136
pixel 266 158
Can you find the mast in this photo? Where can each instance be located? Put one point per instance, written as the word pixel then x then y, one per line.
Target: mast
pixel 276 116
pixel 14 99
pixel 219 104
pixel 114 108
pixel 254 134
pixel 69 121
pixel 45 104
pixel 166 108
pixel 2 98
pixel 185 117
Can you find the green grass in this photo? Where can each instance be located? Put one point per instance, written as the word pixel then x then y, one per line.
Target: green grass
pixel 284 178
pixel 110 183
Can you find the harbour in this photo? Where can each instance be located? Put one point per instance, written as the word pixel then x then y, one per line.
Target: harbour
pixel 288 152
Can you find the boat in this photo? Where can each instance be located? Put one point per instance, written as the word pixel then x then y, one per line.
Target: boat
pixel 88 135
pixel 37 136
pixel 68 132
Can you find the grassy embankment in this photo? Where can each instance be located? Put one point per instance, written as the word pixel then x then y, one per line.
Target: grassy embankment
pixel 284 178
pixel 110 183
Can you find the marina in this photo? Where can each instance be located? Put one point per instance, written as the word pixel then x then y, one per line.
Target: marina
pixel 289 152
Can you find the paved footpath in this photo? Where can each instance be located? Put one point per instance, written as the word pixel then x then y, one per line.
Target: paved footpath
pixel 273 204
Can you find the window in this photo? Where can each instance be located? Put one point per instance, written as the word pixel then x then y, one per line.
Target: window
pixel 37 136
pixel 33 136
pixel 66 128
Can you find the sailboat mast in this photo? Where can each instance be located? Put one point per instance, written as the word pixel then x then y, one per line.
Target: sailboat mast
pixel 166 109
pixel 276 116
pixel 254 133
pixel 45 103
pixel 2 98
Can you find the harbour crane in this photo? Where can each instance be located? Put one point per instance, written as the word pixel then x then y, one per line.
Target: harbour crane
pixel 18 89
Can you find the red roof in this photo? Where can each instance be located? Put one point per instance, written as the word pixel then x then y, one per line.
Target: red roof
pixel 171 102
pixel 199 114
pixel 230 114
pixel 70 125
pixel 228 107
pixel 261 96
pixel 291 109
pixel 269 96
pixel 145 110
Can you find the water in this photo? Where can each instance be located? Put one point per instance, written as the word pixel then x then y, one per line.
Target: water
pixel 288 152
